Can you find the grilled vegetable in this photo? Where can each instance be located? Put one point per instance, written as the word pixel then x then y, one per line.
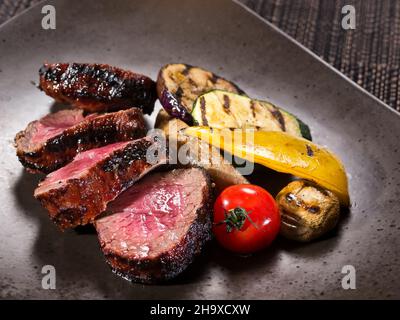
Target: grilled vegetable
pixel 307 211
pixel 222 173
pixel 178 86
pixel 220 109
pixel 282 152
pixel 246 218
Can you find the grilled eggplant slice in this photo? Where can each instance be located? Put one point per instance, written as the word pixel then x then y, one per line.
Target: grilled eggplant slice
pixel 178 86
pixel 221 109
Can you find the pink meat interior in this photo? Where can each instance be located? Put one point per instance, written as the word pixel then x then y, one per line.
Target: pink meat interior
pixel 83 161
pixel 153 215
pixel 54 124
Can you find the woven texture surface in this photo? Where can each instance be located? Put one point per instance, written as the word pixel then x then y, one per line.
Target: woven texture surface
pixel 369 55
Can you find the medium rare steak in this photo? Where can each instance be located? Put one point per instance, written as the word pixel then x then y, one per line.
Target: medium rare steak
pixel 77 193
pixel 153 231
pixel 97 87
pixel 51 142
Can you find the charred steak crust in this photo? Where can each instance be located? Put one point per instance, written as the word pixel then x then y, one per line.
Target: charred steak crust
pixel 78 201
pixel 171 263
pixel 91 133
pixel 97 87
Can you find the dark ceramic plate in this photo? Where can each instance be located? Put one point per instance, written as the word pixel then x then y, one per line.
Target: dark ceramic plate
pixel 226 38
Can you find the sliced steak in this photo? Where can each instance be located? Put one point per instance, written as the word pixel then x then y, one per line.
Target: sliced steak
pixel 97 87
pixel 77 193
pixel 153 231
pixel 53 141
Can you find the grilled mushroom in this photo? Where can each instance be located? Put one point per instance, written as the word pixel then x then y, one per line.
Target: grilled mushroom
pixel 307 210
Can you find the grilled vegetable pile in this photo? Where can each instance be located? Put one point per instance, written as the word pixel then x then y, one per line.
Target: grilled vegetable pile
pixel 219 114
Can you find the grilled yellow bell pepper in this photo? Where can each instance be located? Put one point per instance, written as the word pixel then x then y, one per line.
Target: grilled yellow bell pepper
pixel 281 152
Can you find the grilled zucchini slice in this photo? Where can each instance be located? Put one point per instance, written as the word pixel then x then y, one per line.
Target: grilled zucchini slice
pixel 221 109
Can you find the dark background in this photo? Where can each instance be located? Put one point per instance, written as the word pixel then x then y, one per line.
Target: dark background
pixel 369 55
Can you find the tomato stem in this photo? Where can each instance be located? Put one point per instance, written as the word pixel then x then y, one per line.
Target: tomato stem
pixel 235 219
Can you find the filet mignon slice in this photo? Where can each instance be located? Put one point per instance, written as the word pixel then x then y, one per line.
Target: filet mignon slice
pixel 153 231
pixel 75 194
pixel 97 87
pixel 53 141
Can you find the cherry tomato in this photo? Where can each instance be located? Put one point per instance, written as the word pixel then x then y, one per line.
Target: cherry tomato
pixel 246 218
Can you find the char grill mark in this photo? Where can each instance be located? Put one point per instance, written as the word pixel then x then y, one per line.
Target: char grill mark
pixel 227 103
pixel 310 152
pixel 179 93
pixel 77 193
pixel 97 87
pixel 253 109
pixel 133 152
pixel 279 117
pixel 90 132
pixel 186 70
pixel 290 197
pixel 203 110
